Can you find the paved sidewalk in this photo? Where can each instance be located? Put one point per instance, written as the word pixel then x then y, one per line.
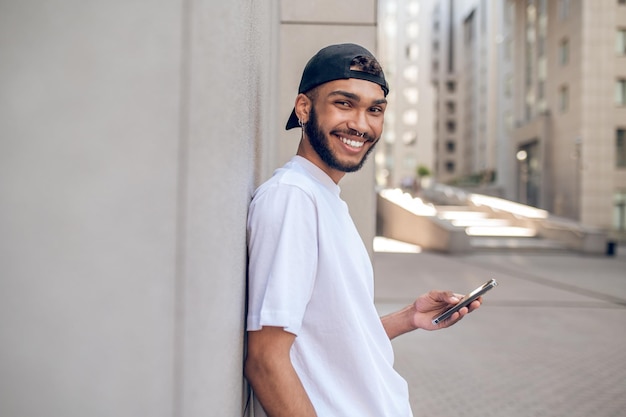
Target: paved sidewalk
pixel 550 340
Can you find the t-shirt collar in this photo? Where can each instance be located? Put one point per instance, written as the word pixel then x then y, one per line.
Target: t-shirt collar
pixel 317 173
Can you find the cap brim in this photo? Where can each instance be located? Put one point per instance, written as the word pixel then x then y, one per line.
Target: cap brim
pixel 293 120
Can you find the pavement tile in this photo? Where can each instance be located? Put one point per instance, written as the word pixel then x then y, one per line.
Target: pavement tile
pixel 550 340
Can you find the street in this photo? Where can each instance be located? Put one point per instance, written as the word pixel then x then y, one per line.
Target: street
pixel 549 340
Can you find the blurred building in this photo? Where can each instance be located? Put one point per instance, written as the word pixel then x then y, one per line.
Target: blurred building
pixel 404 50
pixel 471 73
pixel 531 102
pixel 570 108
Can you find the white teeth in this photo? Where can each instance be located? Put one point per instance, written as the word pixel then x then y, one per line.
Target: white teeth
pixel 352 143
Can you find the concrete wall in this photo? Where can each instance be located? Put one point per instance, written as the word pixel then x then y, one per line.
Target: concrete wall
pixel 130 135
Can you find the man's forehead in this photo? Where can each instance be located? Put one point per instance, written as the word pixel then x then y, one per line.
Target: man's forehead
pixel 363 89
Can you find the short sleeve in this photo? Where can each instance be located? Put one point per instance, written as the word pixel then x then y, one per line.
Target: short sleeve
pixel 282 249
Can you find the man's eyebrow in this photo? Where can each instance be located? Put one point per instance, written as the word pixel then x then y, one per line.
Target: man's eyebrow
pixel 355 97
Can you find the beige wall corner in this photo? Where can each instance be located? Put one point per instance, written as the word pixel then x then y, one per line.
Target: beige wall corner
pixel 304 30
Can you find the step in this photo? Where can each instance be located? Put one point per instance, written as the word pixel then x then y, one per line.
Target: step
pixel 500 231
pixel 517 243
pixel 458 214
pixel 482 222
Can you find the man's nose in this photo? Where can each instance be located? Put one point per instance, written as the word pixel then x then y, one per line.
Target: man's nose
pixel 358 122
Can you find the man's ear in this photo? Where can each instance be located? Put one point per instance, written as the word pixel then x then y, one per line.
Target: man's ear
pixel 303 107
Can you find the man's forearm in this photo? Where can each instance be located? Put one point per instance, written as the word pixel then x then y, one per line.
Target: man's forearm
pixel 400 322
pixel 269 370
pixel 279 390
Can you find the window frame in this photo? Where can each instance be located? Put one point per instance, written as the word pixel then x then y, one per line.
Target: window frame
pixel 620 92
pixel 564 98
pixel 564 52
pixel 620 41
pixel 620 147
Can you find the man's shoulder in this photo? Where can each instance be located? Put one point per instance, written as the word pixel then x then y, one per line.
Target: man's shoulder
pixel 285 192
pixel 289 179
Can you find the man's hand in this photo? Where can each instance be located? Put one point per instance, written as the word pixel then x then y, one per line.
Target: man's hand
pixel 426 307
pixel 432 304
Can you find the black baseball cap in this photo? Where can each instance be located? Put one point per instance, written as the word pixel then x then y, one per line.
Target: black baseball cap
pixel 333 63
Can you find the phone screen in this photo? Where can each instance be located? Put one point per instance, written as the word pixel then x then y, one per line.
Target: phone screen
pixel 465 301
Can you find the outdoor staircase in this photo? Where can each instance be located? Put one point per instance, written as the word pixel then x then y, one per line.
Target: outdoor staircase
pixel 489 233
pixel 451 220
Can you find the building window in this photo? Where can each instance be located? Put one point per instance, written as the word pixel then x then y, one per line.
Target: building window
pixel 529 70
pixel 409 117
pixel 528 112
pixel 564 52
pixel 620 148
pixel 622 2
pixel 451 126
pixel 508 121
pixel 410 162
pixel 543 7
pixel 563 9
pixel 450 146
pixel 620 92
pixel 411 95
pixel 508 85
pixel 451 86
pixel 412 30
pixel 531 11
pixel 450 107
pixel 450 167
pixel 541 45
pixel 564 99
pixel 412 52
pixel 509 13
pixel 508 49
pixel 542 68
pixel 413 8
pixel 620 44
pixel 619 211
pixel 469 27
pixel 409 138
pixel 390 136
pixel 411 73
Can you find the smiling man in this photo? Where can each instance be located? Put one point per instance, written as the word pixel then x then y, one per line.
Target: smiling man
pixel 316 345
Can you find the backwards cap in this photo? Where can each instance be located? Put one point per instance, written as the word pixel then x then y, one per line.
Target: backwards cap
pixel 333 63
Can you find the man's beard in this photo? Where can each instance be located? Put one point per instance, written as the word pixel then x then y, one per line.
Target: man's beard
pixel 321 145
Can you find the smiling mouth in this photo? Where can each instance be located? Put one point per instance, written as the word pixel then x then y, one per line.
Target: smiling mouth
pixel 351 143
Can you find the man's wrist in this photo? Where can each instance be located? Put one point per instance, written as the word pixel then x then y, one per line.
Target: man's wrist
pixel 400 322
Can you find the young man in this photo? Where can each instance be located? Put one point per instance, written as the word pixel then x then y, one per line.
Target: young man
pixel 316 346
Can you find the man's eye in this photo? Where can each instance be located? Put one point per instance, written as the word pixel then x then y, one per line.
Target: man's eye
pixel 342 103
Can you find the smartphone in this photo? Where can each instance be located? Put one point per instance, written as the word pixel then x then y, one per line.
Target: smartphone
pixel 466 300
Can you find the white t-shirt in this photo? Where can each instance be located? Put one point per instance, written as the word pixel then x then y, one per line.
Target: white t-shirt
pixel 310 273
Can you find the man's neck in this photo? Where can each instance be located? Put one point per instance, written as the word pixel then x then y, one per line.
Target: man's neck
pixel 306 151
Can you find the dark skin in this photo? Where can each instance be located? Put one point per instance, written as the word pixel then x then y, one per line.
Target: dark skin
pixel 350 117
